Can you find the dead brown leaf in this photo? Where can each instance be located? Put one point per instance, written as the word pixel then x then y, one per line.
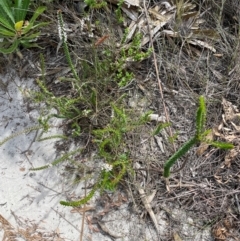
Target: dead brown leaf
pixel 148 207
pixel 89 220
pixel 230 111
pixel 84 209
pixel 176 237
pixel 220 233
pixel 231 156
pixel 228 130
pixel 204 146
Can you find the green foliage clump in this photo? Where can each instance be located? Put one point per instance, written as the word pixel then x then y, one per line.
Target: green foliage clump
pixel 129 53
pixel 118 11
pixel 87 100
pixel 112 149
pixel 15 30
pixel 95 4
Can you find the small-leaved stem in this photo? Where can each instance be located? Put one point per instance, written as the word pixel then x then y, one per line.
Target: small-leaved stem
pixel 184 149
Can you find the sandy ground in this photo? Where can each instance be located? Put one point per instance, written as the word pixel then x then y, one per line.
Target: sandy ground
pixel 31 196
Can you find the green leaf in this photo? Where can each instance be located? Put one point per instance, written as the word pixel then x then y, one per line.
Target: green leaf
pixel 159 128
pixel 5 24
pixel 6 33
pixel 93 98
pixel 6 16
pixel 10 49
pixel 27 44
pixel 20 9
pixel 222 145
pixel 31 25
pixel 30 37
pixel 39 11
pixel 42 24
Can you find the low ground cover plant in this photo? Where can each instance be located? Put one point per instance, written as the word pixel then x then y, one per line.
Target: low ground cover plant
pixel 90 110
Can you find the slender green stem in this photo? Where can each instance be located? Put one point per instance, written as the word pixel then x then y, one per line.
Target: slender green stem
pixel 81 201
pixel 27 130
pixel 57 161
pixel 184 149
pixel 201 118
pixel 63 37
pixel 199 136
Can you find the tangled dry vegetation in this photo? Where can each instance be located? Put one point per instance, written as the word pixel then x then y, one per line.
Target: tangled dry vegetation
pixel 197 52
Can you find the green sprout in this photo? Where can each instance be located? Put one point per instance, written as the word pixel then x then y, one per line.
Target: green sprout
pixel 200 136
